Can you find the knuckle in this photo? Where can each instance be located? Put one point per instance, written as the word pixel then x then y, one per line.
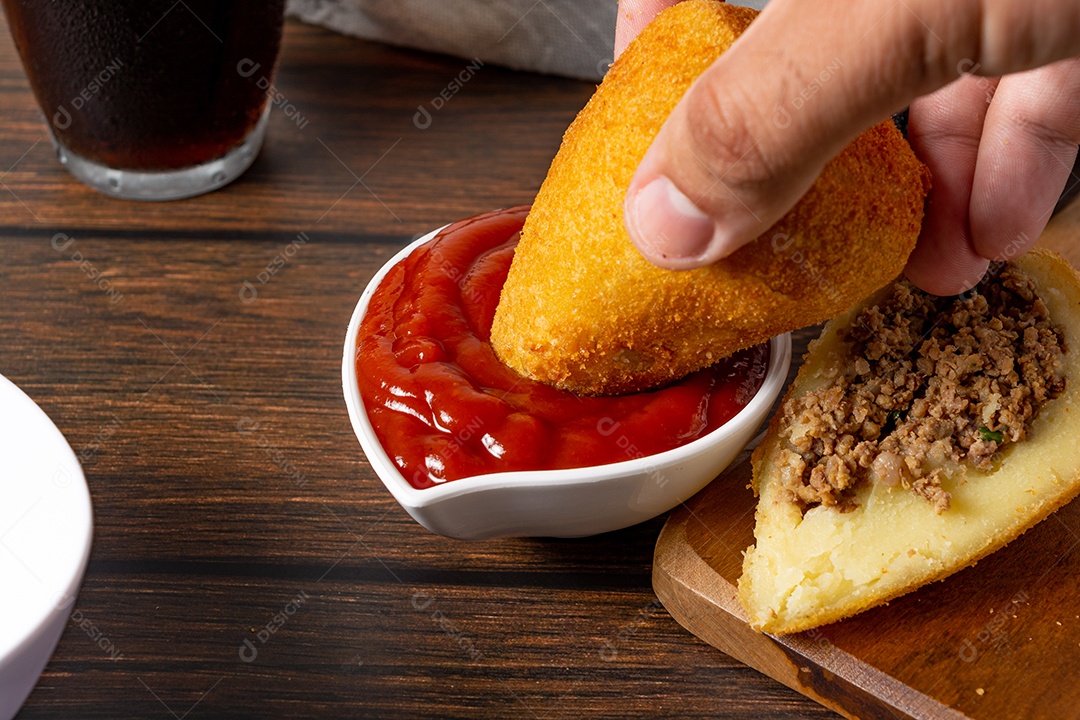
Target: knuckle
pixel 1047 127
pixel 1044 104
pixel 722 134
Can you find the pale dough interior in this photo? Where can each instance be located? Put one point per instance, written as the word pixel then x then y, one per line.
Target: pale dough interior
pixel 807 571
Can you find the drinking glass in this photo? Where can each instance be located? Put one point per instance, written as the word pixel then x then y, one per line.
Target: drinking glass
pixel 151 99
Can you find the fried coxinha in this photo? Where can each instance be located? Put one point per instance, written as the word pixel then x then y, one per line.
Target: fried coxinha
pixel 583 311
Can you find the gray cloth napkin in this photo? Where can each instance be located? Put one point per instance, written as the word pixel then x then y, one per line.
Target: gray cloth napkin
pixel 563 37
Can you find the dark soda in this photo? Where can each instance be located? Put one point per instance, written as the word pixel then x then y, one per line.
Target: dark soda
pixel 149 85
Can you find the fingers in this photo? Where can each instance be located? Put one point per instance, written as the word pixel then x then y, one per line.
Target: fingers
pixel 756 129
pixel 998 169
pixel 633 16
pixel 1029 145
pixel 753 133
pixel 945 128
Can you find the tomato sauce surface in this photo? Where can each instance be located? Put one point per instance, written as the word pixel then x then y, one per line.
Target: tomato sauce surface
pixel 445 407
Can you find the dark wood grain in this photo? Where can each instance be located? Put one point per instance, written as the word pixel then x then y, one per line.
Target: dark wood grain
pixel 225 476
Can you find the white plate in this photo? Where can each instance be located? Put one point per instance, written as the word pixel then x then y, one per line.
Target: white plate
pixel 46 524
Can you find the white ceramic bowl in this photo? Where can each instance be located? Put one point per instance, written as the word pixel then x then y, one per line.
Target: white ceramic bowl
pixel 45 529
pixel 559 503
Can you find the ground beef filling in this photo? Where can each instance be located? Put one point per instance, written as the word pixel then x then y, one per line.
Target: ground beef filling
pixel 938 385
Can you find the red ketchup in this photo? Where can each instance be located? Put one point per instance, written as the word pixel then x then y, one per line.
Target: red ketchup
pixel 445 407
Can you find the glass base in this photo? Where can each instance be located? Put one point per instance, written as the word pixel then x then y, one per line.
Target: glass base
pixel 168 184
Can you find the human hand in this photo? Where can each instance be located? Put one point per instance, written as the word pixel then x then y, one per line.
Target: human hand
pixel 994 91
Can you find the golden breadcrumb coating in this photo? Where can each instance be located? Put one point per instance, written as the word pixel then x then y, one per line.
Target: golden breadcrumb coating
pixel 584 311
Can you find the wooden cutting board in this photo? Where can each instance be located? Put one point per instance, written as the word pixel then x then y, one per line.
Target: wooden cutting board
pixel 999 640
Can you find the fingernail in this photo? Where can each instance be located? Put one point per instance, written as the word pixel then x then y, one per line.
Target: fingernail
pixel 666 225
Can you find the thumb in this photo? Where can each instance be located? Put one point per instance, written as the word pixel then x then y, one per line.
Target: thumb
pixel 755 130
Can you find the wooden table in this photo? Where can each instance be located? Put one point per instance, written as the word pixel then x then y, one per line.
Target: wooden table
pixel 246 560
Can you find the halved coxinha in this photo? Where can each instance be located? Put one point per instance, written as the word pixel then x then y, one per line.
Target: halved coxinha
pixel 920 435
